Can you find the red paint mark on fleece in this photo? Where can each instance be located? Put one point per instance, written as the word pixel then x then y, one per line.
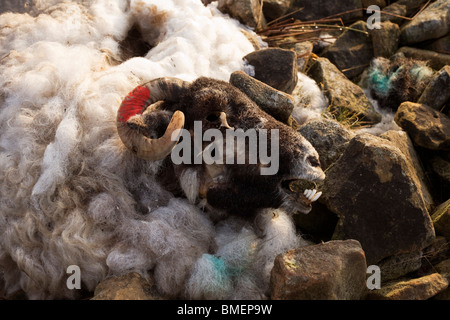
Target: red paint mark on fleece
pixel 133 103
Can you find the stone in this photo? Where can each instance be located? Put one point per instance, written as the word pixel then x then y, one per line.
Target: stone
pixel 443 295
pixel 444 269
pixel 431 23
pixel 441 45
pixel 438 251
pixel 274 9
pixel 131 286
pixel 401 8
pixel 401 140
pixel 427 127
pixel 371 189
pixel 385 39
pixel 422 288
pixel 368 3
pixel 437 93
pixel 394 12
pixel 435 60
pixel 399 265
pixel 276 103
pixel 248 12
pixel 412 5
pixel 441 167
pixel 352 51
pixel 328 137
pixel 315 10
pixel 276 67
pixel 304 51
pixel 344 95
pixel 441 219
pixel 2 286
pixel 334 270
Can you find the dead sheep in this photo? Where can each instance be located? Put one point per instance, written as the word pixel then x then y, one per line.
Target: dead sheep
pixel 73 193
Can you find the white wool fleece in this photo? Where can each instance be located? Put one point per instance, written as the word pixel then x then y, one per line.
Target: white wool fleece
pixel 70 193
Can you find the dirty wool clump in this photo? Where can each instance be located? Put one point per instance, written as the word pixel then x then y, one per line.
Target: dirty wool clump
pixel 71 194
pixel 398 79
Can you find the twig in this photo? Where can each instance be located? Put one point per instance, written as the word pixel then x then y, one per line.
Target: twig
pixel 284 27
pixel 306 39
pixel 421 9
pixel 280 23
pixel 285 16
pixel 357 67
pixel 290 35
pixel 319 27
pixel 290 24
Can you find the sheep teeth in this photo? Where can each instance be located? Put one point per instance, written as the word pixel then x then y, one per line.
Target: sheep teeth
pixel 307 193
pixel 312 194
pixel 317 196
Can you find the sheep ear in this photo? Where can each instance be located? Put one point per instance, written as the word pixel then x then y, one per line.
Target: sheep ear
pixel 131 109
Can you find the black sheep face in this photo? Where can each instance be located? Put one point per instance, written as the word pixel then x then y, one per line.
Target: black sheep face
pixel 260 180
pixel 241 188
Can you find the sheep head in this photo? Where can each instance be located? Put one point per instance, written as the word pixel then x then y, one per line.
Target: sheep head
pixel 149 129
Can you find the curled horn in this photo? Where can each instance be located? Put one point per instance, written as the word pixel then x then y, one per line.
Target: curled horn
pixel 135 103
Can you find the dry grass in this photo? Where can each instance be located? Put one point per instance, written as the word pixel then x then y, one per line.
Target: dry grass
pixel 346 117
pixel 286 30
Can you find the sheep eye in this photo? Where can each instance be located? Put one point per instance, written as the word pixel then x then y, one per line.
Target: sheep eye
pixel 213 117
